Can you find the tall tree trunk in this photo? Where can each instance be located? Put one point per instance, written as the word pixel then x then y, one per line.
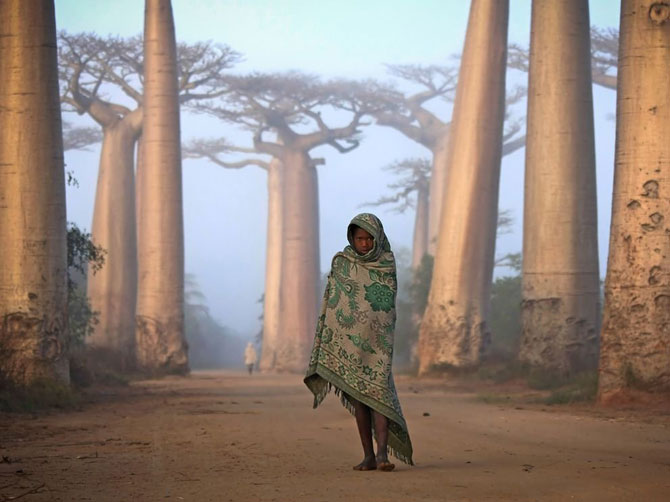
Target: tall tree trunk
pixel 420 241
pixel 561 284
pixel 140 174
pixel 453 330
pixel 300 257
pixel 438 178
pixel 161 345
pixel 33 259
pixel 635 343
pixel 113 290
pixel 273 264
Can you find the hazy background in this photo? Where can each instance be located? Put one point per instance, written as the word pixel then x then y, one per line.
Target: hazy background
pixel 225 210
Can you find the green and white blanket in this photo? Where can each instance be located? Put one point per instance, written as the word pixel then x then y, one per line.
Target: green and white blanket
pixel 353 346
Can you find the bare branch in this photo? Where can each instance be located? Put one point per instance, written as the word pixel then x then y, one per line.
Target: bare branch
pixel 212 149
pixel 604 56
pixel 353 144
pixel 295 106
pixel 92 67
pixel 407 113
pixel 513 145
pixel 80 138
pixel 510 260
pixel 415 174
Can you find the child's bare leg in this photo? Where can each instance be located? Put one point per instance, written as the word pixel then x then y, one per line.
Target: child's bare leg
pixel 364 423
pixel 382 434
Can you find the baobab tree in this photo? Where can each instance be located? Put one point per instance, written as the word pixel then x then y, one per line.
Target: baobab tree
pixel 454 330
pixel 410 115
pixel 636 323
pixel 91 69
pixel 33 252
pixel 86 61
pixel 560 310
pixel 218 151
pixel 159 334
pixel 293 106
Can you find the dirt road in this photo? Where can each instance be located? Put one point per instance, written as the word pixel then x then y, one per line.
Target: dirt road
pixel 229 437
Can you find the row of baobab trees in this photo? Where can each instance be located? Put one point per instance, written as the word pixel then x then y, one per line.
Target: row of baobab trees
pixel 137 216
pixel 561 311
pixel 33 275
pixel 293 106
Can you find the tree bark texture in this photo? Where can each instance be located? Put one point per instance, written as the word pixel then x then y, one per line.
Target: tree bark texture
pixel 438 178
pixel 635 340
pixel 453 331
pixel 140 174
pixel 273 265
pixel 561 283
pixel 161 345
pixel 420 240
pixel 112 291
pixel 300 262
pixel 33 249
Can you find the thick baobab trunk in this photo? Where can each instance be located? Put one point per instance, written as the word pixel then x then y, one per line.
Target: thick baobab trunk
pixel 33 249
pixel 453 331
pixel 161 345
pixel 273 263
pixel 140 174
pixel 420 241
pixel 438 183
pixel 635 343
pixel 112 290
pixel 300 263
pixel 561 285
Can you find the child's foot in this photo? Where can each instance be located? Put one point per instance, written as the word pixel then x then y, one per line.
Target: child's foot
pixel 383 463
pixel 368 464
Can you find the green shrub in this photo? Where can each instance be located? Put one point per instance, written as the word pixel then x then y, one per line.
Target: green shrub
pixel 583 387
pixel 39 395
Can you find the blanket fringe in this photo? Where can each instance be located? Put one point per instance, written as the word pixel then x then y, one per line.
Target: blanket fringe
pixel 322 393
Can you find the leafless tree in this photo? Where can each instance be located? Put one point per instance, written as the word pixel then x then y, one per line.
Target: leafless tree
pixel 103 78
pixel 560 273
pixel 454 326
pixel 300 110
pixel 219 152
pixel 634 339
pixel 33 250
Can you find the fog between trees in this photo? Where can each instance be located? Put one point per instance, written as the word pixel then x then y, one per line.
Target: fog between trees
pixel 464 114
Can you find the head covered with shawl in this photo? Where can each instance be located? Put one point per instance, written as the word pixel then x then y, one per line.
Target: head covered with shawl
pixel 353 346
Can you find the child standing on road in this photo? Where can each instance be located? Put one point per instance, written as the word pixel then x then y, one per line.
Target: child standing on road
pixel 353 346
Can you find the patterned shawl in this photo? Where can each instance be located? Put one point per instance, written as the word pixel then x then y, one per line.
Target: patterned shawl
pixel 353 346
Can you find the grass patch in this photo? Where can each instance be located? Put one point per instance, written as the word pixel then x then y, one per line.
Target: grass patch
pixel 40 395
pixel 582 388
pixel 552 387
pixel 501 372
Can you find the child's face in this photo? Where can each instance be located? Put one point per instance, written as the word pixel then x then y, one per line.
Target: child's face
pixel 363 241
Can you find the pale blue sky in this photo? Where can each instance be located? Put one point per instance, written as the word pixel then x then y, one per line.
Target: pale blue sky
pixel 225 210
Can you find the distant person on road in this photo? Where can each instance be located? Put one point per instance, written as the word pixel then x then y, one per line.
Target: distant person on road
pixel 250 357
pixel 353 346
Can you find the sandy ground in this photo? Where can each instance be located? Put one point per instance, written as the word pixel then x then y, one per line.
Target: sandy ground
pixel 225 436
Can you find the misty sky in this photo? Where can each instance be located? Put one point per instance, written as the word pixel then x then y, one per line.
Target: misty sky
pixel 225 210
